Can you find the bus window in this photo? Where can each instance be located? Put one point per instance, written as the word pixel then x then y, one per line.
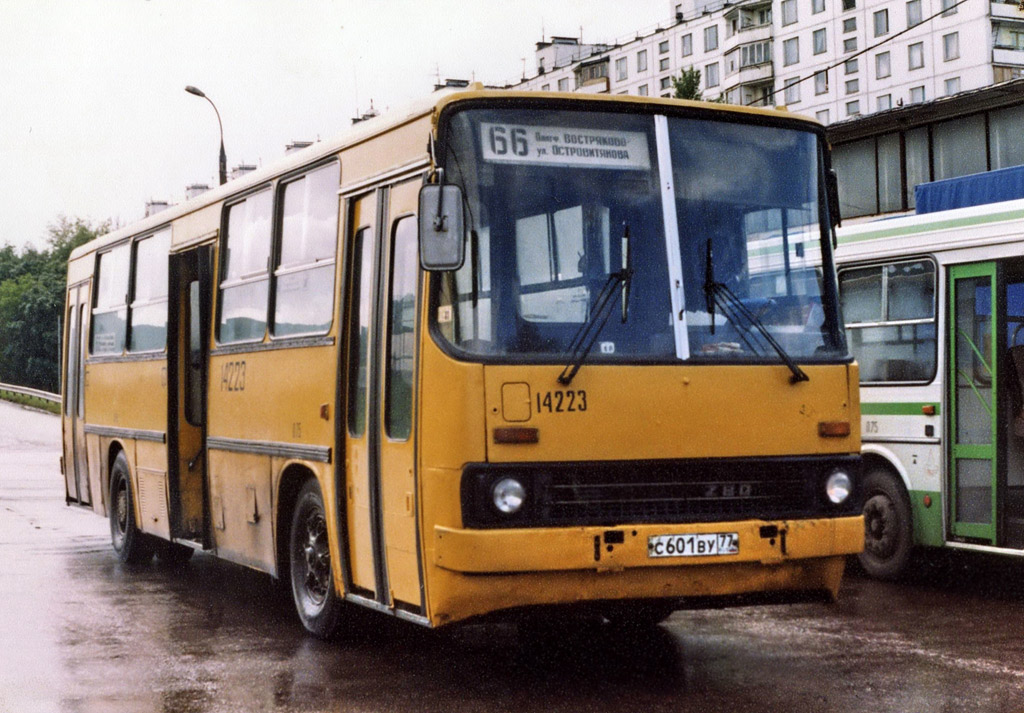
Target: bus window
pixel 362 285
pixel 890 319
pixel 402 325
pixel 303 302
pixel 110 313
pixel 244 286
pixel 148 319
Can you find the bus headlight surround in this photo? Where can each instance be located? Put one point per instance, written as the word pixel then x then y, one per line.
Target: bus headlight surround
pixel 838 487
pixel 508 495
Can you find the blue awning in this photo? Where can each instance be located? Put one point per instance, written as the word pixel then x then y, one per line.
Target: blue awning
pixel 976 189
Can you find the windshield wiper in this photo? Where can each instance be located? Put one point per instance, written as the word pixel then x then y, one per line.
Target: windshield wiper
pixel 588 332
pixel 718 294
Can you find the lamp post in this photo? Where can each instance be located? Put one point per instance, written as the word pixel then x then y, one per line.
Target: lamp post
pixel 223 156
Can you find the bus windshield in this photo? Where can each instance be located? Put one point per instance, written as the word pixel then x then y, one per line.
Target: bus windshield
pixel 726 248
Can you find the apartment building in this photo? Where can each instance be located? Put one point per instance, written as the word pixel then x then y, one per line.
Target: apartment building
pixel 831 59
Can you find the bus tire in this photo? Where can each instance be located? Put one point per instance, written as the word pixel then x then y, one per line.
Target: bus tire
pixel 130 543
pixel 888 530
pixel 309 563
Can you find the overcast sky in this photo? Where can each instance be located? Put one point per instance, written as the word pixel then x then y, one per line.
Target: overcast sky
pixel 94 119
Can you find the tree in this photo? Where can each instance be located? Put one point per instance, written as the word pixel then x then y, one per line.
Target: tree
pixel 32 287
pixel 687 84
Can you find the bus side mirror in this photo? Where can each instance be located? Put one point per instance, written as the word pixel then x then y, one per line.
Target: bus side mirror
pixel 442 232
pixel 833 197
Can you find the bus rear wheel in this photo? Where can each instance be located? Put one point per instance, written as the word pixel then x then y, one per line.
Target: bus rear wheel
pixel 309 557
pixel 130 543
pixel 888 531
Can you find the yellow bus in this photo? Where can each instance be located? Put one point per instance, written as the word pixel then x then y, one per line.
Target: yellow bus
pixel 494 353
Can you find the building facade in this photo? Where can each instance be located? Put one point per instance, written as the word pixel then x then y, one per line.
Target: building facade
pixel 831 59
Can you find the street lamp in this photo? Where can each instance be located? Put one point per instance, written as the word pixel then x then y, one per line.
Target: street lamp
pixel 223 156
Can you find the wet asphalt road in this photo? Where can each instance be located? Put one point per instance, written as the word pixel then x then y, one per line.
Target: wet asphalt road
pixel 78 632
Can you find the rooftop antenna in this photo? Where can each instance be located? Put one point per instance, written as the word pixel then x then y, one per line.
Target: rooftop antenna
pixel 543 35
pixel 524 66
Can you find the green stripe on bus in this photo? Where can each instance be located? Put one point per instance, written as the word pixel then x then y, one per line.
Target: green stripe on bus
pixel 896 409
pixel 932 227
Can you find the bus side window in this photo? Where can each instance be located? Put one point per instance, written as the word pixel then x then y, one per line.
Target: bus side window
pixel 244 287
pixel 304 278
pixel 110 313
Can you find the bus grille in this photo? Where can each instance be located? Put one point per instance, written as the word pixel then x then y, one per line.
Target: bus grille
pixel 658 492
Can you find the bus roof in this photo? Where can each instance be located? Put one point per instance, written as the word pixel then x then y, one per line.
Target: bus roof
pixel 974 225
pixel 365 130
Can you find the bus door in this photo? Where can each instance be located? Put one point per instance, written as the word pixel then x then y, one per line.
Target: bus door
pixel 379 445
pixel 76 470
pixel 973 402
pixel 191 287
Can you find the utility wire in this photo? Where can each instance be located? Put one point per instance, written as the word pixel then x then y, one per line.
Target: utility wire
pixel 890 38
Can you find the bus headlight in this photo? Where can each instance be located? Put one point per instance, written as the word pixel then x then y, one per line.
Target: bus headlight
pixel 509 495
pixel 838 487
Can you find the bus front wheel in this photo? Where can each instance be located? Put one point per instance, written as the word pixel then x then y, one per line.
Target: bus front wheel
pixel 130 543
pixel 309 558
pixel 888 531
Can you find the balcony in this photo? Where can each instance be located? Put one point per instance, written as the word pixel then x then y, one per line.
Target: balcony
pixel 1009 10
pixel 1007 56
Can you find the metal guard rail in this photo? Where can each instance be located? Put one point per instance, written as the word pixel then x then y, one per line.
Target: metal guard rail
pixel 25 391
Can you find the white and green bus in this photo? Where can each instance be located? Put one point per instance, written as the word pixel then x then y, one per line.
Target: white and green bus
pixel 934 309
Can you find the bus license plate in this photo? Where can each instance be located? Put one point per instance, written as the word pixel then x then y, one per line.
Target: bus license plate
pixel 709 544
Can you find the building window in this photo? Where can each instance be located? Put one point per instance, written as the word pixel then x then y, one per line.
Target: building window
pixel 883 65
pixel 916 95
pixel 641 90
pixel 884 102
pixel 790 51
pixel 817 6
pixel 822 116
pixel 788 12
pixel 819 41
pixel 820 83
pixel 545 87
pixel 792 90
pixel 890 319
pixel 621 69
pixel 853 108
pixel 245 278
pixel 850 44
pixel 850 66
pixel 663 65
pixel 686 45
pixel 1005 74
pixel 951 46
pixel 850 25
pixel 853 86
pixel 711 75
pixel 881 23
pixel 913 13
pixel 1008 37
pixel 915 55
pixel 711 38
pixel 663 47
pixel 756 53
pixel 949 7
pixel 952 86
pixel 563 84
pixel 849 5
pixel 666 82
pixel 641 61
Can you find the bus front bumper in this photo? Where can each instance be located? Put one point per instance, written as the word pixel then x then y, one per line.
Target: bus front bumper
pixel 756 542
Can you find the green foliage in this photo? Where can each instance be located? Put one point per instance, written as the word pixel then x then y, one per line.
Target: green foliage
pixel 687 84
pixel 32 287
